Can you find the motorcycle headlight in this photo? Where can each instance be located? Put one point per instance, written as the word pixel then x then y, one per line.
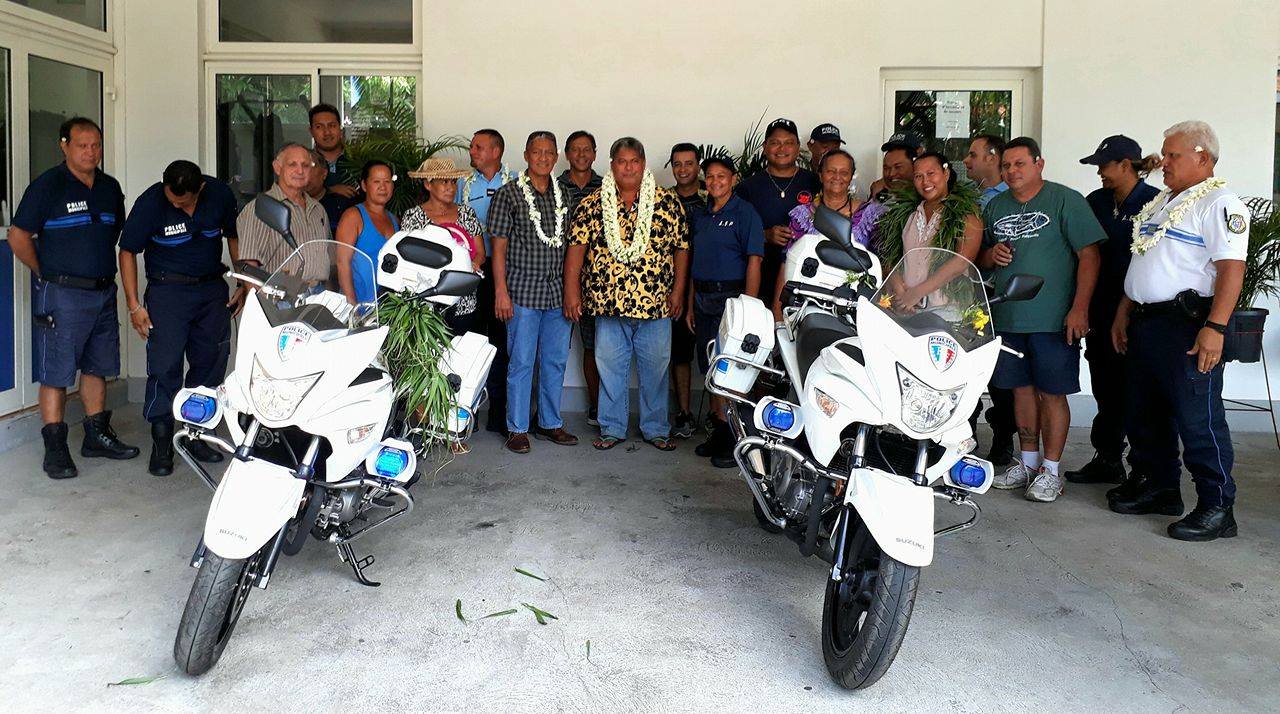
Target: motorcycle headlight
pixel 278 399
pixel 923 407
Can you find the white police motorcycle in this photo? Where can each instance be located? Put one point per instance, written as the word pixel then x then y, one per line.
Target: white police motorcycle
pixel 864 424
pixel 320 442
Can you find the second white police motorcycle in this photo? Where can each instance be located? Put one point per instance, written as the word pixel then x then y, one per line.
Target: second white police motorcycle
pixel 320 442
pixel 863 422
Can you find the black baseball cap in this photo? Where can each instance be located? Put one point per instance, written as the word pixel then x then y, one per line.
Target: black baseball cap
pixel 908 140
pixel 717 160
pixel 780 123
pixel 825 132
pixel 1114 148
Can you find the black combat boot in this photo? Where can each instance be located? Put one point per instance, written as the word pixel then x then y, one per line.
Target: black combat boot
pixel 201 451
pixel 1002 444
pixel 57 457
pixel 715 444
pixel 101 440
pixel 1101 469
pixel 161 463
pixel 1205 523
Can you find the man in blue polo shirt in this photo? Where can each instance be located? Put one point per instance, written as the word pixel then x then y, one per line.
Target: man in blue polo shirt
pixel 728 249
pixel 65 231
pixel 476 191
pixel 180 224
pixel 775 191
pixel 1122 196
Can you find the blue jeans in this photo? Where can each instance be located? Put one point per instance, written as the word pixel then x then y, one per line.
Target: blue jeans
pixel 618 339
pixel 541 335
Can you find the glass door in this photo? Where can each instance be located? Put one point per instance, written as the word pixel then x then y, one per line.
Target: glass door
pixel 40 87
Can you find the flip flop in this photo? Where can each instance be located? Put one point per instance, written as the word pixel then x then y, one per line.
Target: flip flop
pixel 662 443
pixel 604 443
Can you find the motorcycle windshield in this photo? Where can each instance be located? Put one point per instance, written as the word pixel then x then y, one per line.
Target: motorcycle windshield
pixel 935 290
pixel 325 284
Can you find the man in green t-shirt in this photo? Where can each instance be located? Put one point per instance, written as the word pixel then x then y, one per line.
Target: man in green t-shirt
pixel 1045 229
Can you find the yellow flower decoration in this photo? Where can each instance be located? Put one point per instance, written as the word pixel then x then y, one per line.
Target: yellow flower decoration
pixel 885 301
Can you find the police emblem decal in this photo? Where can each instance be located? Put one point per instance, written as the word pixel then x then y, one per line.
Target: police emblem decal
pixel 943 351
pixel 1236 223
pixel 291 338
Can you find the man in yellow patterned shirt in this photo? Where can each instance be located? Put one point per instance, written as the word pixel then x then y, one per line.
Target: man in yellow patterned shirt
pixel 627 265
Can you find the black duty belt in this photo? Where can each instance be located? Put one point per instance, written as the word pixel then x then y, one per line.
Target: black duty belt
pixel 180 279
pixel 75 281
pixel 1187 304
pixel 719 286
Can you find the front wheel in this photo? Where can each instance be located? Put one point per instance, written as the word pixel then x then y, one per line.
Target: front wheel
pixel 865 616
pixel 217 597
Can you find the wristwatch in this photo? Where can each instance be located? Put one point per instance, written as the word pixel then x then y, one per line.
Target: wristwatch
pixel 1217 327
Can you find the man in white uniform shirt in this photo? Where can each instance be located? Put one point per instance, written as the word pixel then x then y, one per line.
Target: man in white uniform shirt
pixel 1187 269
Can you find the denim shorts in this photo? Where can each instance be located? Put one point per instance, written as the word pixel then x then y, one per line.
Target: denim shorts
pixel 1050 364
pixel 75 330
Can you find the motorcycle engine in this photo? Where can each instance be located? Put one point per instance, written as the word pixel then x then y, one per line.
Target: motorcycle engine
pixel 339 507
pixel 791 489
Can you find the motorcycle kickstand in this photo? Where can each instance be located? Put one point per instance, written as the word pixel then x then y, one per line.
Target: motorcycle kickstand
pixel 348 556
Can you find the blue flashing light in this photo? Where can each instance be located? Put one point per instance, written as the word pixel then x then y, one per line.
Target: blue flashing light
pixel 968 474
pixel 722 365
pixel 199 409
pixel 391 462
pixel 779 417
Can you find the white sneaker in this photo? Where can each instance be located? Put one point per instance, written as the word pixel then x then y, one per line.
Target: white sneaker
pixel 1046 487
pixel 1015 477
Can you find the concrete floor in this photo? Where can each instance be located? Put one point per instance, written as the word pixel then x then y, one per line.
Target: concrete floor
pixel 656 560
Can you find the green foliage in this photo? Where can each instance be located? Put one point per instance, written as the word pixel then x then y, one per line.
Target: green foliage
pixel 405 152
pixel 1262 263
pixel 418 337
pixel 961 202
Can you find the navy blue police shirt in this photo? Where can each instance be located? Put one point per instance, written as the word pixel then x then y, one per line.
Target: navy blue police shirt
pixel 76 226
pixel 723 240
pixel 175 242
pixel 1115 253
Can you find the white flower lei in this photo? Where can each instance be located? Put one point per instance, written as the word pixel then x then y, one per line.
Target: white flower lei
pixel 1141 243
pixel 626 253
pixel 467 184
pixel 536 216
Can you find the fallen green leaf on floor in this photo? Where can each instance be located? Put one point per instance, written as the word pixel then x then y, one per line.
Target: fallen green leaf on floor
pixel 588 650
pixel 541 615
pixel 457 608
pixel 504 613
pixel 135 680
pixel 526 572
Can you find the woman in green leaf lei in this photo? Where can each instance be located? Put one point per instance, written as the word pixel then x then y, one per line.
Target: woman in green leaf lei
pixel 932 212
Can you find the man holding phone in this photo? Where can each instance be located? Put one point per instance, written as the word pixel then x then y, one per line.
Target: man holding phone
pixel 1044 229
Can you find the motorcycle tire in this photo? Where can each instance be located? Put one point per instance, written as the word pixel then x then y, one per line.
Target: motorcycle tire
pixel 217 598
pixel 765 523
pixel 865 617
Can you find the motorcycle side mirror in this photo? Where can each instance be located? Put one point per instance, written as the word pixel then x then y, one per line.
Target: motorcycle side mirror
pixel 833 225
pixel 838 256
pixel 275 215
pixel 1020 287
pixel 453 282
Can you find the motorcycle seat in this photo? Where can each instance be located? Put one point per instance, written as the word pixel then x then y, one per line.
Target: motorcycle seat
pixel 818 331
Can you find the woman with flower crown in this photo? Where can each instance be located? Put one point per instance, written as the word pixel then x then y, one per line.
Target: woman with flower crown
pixel 627 265
pixel 528 223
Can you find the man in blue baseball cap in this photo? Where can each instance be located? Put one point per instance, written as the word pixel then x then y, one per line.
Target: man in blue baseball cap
pixel 1123 194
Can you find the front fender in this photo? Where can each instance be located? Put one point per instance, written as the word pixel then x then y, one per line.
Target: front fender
pixel 898 513
pixel 253 502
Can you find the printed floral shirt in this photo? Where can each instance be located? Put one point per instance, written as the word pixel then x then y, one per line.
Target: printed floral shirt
pixel 640 289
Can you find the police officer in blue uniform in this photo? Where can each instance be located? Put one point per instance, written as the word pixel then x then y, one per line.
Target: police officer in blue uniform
pixel 65 231
pixel 180 224
pixel 1182 285
pixel 1121 169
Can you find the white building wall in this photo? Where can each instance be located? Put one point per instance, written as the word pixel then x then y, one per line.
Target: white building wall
pixel 705 71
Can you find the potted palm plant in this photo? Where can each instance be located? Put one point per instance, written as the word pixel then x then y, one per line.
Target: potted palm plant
pixel 1262 270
